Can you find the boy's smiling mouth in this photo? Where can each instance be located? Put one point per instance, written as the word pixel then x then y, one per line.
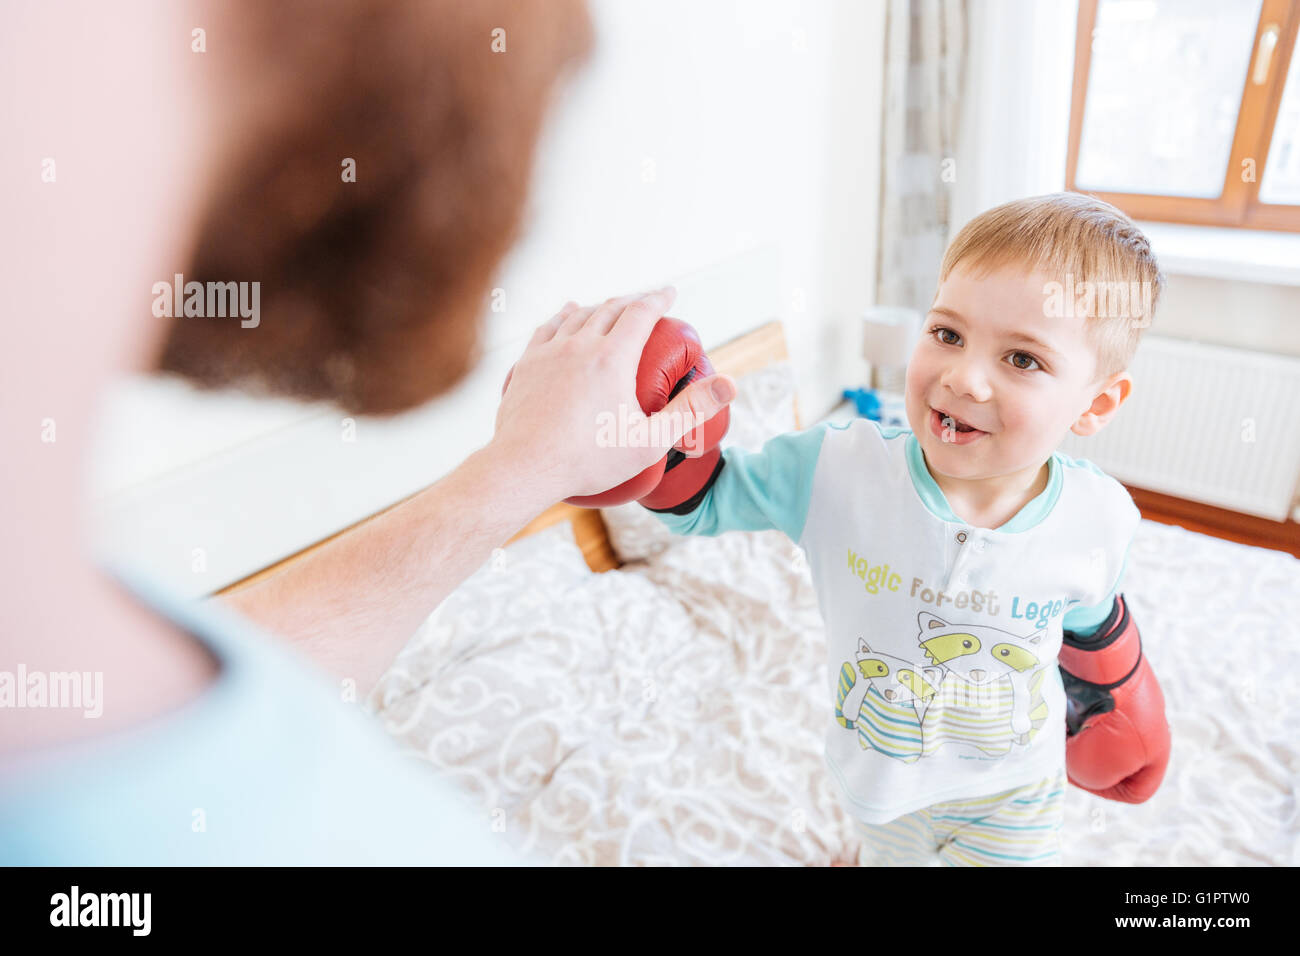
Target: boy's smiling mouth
pixel 953 430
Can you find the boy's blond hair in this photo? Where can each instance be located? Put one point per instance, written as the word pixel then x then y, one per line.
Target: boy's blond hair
pixel 1078 239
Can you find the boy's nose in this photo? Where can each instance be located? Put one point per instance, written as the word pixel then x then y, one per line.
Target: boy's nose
pixel 965 377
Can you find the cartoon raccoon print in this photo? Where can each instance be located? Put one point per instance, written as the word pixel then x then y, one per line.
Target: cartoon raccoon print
pixel 990 696
pixel 881 697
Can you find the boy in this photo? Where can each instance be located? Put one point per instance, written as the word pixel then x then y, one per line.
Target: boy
pixel 955 560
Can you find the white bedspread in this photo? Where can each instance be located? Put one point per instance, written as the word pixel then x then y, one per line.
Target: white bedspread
pixel 672 712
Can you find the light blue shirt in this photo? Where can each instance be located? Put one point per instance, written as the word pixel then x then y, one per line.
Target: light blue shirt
pixel 268 765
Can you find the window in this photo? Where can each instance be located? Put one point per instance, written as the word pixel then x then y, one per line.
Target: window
pixel 1189 111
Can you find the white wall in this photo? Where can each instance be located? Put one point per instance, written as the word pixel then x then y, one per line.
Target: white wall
pixel 701 132
pixel 728 147
pixel 1264 317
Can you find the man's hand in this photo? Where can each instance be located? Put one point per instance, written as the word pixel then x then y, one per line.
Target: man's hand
pixel 580 369
pixel 351 603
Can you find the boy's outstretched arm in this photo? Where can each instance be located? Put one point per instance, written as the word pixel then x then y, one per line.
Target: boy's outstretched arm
pixel 710 490
pixel 736 490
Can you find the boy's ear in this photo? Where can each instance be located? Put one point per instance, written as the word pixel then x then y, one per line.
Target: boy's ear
pixel 1115 391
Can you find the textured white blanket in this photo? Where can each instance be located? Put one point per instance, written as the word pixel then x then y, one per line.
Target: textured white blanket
pixel 672 712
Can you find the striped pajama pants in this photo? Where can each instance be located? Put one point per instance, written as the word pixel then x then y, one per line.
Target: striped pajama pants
pixel 1018 827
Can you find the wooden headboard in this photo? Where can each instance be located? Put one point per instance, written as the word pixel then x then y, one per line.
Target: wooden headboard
pixel 740 356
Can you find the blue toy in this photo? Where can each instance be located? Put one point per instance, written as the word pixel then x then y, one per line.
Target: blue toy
pixel 887 408
pixel 866 400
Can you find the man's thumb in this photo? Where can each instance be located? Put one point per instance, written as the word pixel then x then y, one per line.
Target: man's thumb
pixel 693 406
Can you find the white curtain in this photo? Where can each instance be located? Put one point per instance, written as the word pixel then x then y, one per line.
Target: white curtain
pixel 925 52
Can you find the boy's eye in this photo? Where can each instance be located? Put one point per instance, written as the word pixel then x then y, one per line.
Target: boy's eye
pixel 1030 363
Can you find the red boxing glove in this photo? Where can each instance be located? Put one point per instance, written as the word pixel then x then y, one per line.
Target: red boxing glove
pixel 685 482
pixel 1117 738
pixel 685 479
pixel 672 359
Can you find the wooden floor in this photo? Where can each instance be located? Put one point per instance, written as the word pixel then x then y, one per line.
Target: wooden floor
pixel 1230 525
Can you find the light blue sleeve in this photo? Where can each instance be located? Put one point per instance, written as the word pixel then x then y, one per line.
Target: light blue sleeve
pixel 1084 621
pixel 756 491
pixel 268 765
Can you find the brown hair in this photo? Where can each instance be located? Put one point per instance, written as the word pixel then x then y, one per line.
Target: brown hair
pixel 370 291
pixel 1079 237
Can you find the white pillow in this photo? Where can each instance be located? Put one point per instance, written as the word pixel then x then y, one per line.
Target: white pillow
pixel 763 408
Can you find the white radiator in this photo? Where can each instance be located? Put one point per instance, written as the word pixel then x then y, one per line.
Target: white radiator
pixel 1212 424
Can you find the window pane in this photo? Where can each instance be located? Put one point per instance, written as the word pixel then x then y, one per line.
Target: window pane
pixel 1281 182
pixel 1164 87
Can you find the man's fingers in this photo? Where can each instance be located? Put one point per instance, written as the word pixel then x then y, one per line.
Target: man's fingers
pixel 546 331
pixel 634 324
pixel 647 308
pixel 604 315
pixel 576 319
pixel 608 319
pixel 693 406
pixel 595 319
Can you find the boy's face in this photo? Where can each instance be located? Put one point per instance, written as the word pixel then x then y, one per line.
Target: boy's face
pixel 976 360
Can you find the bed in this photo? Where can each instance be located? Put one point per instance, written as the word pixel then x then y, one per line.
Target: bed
pixel 612 695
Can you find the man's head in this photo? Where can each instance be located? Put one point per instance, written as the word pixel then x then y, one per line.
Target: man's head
pixel 1040 306
pixel 372 174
